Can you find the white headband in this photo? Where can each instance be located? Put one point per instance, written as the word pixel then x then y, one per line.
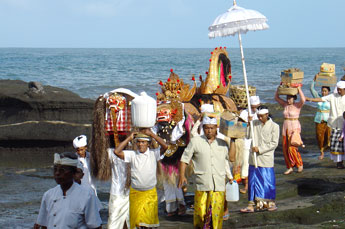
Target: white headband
pixel 80 141
pixel 207 120
pixel 263 111
pixel 64 161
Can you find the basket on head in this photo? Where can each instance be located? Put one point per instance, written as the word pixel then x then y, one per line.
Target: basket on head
pixel 238 94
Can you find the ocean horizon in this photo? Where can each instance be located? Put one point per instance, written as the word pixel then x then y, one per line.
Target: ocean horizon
pixel 90 72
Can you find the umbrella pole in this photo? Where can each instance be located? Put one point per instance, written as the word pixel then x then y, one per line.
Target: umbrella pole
pixel 247 93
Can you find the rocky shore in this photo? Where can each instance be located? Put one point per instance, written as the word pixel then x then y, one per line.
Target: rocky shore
pixel 35 117
pixel 37 121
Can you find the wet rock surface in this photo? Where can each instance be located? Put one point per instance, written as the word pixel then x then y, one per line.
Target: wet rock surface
pixel 35 115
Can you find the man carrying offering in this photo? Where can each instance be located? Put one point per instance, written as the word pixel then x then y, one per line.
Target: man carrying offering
pixel 143 201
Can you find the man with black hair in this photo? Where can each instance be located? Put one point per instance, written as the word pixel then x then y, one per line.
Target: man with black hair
pixel 68 205
pixel 261 180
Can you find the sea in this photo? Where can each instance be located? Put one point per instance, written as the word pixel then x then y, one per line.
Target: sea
pixel 92 72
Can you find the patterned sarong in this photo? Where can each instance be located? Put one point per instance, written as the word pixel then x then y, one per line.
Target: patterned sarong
pixel 291 155
pixel 143 208
pixel 323 135
pixel 337 147
pixel 261 184
pixel 208 208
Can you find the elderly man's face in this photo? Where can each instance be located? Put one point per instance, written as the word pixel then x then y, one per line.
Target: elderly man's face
pixel 142 145
pixel 341 91
pixel 210 130
pixel 63 174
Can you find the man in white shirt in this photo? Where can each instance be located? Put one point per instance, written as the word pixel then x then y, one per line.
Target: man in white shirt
pixel 143 199
pixel 262 182
pixel 68 205
pixel 80 144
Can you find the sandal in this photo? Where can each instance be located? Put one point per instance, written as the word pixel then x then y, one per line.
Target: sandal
pixel 226 217
pixel 243 190
pixel 170 214
pixel 272 208
pixel 182 211
pixel 300 169
pixel 340 165
pixel 247 210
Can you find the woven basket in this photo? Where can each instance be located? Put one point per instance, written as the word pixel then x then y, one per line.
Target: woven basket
pixel 238 94
pixel 287 91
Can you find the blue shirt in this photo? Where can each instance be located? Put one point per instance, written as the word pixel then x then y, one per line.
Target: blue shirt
pixel 323 107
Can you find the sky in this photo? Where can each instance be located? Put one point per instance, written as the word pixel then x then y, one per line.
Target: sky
pixel 165 23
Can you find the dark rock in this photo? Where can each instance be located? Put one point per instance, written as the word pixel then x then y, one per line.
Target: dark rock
pixel 41 116
pixel 35 89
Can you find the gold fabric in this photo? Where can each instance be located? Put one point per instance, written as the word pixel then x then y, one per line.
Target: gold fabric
pixel 202 202
pixel 143 208
pixel 323 133
pixel 291 119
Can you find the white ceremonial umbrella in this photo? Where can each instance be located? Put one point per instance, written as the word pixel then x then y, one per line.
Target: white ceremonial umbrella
pixel 238 20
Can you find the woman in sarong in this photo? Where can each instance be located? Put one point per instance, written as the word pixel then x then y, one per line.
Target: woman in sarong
pixel 323 131
pixel 291 126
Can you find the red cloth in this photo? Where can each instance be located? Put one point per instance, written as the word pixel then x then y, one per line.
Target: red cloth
pixel 123 122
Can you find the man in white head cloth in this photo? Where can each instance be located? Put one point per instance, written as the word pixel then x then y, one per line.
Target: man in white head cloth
pixel 254 104
pixel 80 144
pixel 262 184
pixel 68 205
pixel 335 121
pixel 208 155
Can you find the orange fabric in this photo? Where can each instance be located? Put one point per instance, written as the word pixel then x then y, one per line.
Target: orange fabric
pixel 291 155
pixel 323 133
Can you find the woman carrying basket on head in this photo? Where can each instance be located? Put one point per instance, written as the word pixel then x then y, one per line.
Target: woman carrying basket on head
pixel 291 129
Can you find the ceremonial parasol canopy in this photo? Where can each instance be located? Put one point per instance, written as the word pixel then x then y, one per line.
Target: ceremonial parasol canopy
pixel 238 20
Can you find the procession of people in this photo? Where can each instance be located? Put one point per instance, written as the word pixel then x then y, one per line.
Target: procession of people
pixel 167 147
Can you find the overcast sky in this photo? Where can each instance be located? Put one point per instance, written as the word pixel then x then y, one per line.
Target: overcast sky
pixel 165 23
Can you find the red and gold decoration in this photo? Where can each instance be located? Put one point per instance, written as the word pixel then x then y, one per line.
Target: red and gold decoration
pixel 218 77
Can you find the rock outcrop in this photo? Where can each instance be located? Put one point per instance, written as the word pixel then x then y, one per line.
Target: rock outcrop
pixel 32 115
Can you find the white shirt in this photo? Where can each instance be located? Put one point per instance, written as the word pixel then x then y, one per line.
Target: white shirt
pixel 92 192
pixel 87 179
pixel 78 209
pixel 118 174
pixel 337 102
pixel 143 168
